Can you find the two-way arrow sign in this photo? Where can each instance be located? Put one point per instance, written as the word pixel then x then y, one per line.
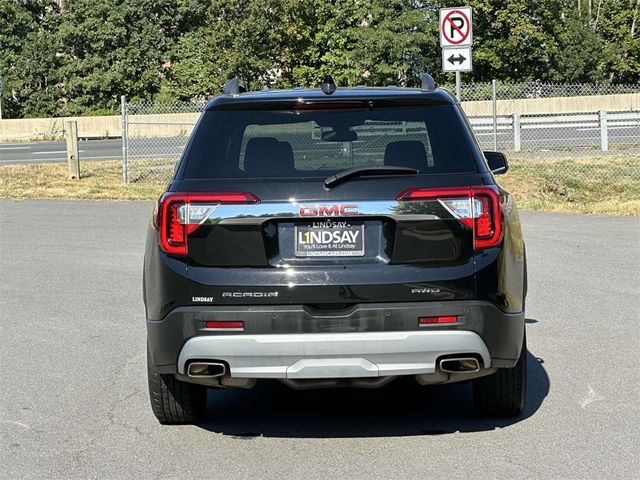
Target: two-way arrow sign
pixel 453 59
pixel 456 59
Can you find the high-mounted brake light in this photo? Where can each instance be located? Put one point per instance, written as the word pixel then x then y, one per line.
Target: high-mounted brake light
pixel 478 208
pixel 180 214
pixel 332 105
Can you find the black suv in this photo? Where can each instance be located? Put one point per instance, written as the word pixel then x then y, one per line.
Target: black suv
pixel 334 237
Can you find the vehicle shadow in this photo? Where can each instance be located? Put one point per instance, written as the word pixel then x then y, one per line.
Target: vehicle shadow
pixel 402 408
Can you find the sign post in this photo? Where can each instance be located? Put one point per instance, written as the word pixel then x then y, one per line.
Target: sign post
pixel 456 38
pixel 73 158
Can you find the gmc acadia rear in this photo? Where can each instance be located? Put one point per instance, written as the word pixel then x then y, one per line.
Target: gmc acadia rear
pixel 334 237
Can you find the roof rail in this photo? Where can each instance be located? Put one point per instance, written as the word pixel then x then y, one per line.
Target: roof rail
pixel 235 86
pixel 428 83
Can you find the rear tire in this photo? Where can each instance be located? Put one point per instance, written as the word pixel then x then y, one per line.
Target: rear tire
pixel 503 394
pixel 175 402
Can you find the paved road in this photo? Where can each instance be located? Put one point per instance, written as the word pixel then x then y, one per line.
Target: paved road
pixel 73 394
pixel 48 152
pixel 41 152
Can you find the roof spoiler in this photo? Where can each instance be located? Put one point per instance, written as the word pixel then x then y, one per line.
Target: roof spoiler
pixel 235 86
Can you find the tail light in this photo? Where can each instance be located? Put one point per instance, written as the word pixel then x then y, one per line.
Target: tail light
pixel 478 208
pixel 180 214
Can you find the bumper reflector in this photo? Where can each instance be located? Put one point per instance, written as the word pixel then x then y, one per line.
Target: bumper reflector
pixel 432 320
pixel 224 325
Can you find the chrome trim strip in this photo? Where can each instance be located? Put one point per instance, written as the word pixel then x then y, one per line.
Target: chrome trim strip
pixel 258 213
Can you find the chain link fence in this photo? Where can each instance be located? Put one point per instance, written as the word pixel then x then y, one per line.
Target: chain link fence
pixel 559 130
pixel 153 138
pixel 533 90
pixel 566 134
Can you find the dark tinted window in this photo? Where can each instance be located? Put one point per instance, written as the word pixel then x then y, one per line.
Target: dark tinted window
pixel 248 144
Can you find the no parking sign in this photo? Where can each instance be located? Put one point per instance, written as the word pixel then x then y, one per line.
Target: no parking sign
pixel 455 27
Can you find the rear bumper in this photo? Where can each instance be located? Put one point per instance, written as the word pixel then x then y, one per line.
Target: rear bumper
pixel 333 355
pixel 369 339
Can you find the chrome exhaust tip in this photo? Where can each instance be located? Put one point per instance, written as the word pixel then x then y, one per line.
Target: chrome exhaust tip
pixel 460 365
pixel 206 369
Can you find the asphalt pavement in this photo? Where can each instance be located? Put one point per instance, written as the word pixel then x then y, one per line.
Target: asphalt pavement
pixel 73 387
pixel 47 152
pixel 111 149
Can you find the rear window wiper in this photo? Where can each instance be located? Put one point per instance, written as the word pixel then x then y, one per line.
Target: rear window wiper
pixel 365 170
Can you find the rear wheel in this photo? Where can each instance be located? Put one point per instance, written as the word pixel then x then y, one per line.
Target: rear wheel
pixel 174 402
pixel 503 394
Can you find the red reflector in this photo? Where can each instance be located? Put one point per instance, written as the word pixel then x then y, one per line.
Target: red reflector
pixel 490 221
pixel 483 220
pixel 176 230
pixel 223 324
pixel 442 319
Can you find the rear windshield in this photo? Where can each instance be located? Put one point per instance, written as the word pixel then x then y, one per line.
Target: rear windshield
pixel 310 143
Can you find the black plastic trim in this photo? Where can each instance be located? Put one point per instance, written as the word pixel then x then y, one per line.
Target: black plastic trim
pixel 501 332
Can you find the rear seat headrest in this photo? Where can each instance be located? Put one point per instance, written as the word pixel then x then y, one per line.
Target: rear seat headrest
pixel 267 156
pixel 406 153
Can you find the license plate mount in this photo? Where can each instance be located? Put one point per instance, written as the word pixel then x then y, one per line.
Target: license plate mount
pixel 329 239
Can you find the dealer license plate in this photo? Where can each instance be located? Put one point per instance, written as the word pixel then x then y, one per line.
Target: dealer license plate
pixel 330 239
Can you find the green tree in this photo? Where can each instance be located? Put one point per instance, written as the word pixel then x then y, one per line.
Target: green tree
pixel 26 72
pixel 40 91
pixel 113 49
pixel 261 41
pixel 618 24
pixel 82 59
pixel 513 39
pixel 579 55
pixel 191 70
pixel 383 42
pixel 282 43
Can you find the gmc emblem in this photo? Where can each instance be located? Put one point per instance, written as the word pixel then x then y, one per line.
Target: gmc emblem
pixel 328 210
